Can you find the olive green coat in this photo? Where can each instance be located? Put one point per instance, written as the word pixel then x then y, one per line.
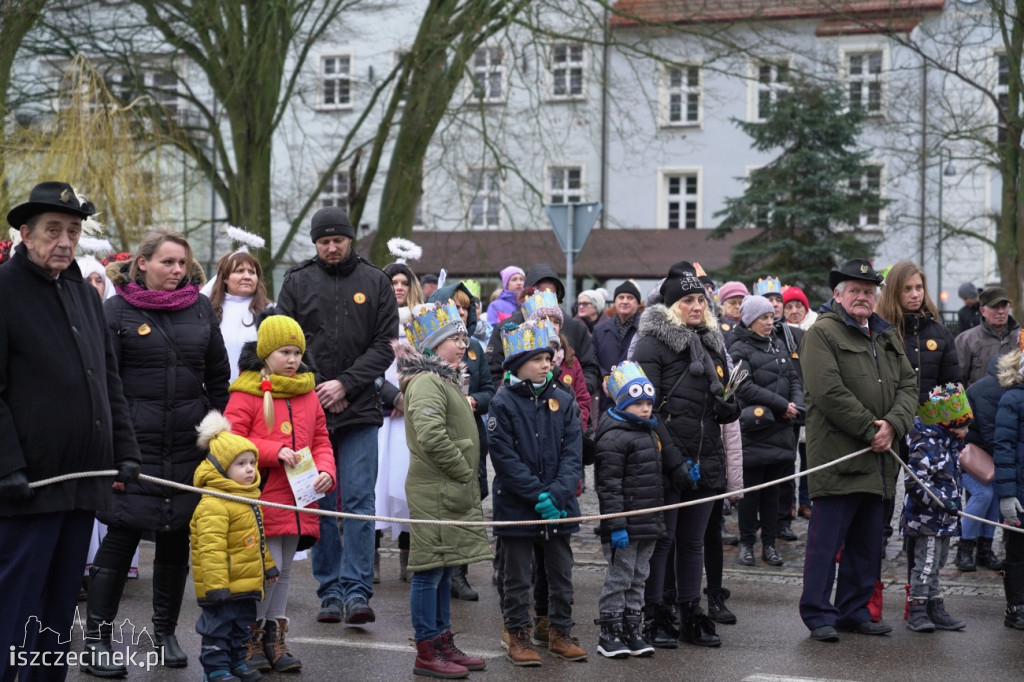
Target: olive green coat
pixel 846 390
pixel 444 456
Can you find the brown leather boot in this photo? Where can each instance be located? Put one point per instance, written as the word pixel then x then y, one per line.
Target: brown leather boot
pixel 563 646
pixel 520 650
pixel 255 656
pixel 276 649
pixel 457 655
pixel 431 662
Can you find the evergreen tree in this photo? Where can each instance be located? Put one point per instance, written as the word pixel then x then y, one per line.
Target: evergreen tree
pixel 810 200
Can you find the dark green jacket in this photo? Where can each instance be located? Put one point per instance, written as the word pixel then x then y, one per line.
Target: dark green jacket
pixel 851 380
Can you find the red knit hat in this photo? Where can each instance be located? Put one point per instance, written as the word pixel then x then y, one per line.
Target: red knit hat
pixel 795 294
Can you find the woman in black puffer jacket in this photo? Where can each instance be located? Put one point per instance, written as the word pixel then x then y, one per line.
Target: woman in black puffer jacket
pixel 772 399
pixel 682 352
pixel 174 369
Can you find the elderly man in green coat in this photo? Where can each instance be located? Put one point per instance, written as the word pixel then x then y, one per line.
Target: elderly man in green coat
pixel 861 392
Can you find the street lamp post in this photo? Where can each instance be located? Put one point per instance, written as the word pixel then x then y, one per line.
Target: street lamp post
pixel 946 171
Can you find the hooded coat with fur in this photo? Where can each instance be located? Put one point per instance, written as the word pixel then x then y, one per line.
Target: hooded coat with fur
pixel 693 412
pixel 444 456
pixel 165 399
pixel 1009 437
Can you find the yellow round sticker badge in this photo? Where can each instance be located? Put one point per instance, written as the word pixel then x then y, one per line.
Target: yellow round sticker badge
pixel 721 372
pixel 471 354
pixel 758 411
pixel 359 298
pixel 553 405
pixel 144 330
pixel 567 379
pixel 931 345
pixel 286 427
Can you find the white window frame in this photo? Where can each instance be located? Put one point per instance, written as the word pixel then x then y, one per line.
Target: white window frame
pixel 665 175
pixel 484 183
pixel 774 88
pixel 489 69
pixel 573 195
pixel 331 194
pixel 863 224
pixel 846 54
pixel 569 67
pixel 686 91
pixel 336 77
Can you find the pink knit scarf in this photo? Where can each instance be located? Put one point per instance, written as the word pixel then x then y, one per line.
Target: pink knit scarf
pixel 149 299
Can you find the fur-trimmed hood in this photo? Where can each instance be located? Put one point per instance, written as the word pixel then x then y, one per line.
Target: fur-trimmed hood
pixel 118 273
pixel 1008 370
pixel 412 363
pixel 655 321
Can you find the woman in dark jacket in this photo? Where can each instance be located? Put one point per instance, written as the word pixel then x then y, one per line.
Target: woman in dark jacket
pixel 174 369
pixel 1008 456
pixel 771 398
pixel 682 352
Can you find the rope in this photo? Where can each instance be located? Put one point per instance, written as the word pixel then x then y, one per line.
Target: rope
pixel 534 522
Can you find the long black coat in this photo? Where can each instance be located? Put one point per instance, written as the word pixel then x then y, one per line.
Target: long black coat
pixel 62 409
pixel 773 383
pixel 166 402
pixel 931 351
pixel 611 350
pixel 628 476
pixel 693 412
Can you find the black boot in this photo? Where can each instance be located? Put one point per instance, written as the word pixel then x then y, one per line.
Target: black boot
pixel 986 559
pixel 255 656
pixel 1013 585
pixel 276 649
pixel 105 588
pixel 965 556
pixel 609 643
pixel 697 627
pixel 717 610
pixel 943 621
pixel 632 635
pixel 168 591
pixel 658 628
pixel 745 554
pixel 461 589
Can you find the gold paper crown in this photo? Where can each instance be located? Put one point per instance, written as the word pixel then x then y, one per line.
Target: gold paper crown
pixel 947 405
pixel 767 285
pixel 473 286
pixel 429 318
pixel 629 375
pixel 530 335
pixel 533 307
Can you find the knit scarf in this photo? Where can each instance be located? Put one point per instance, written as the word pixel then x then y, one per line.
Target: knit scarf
pixel 250 382
pixel 150 299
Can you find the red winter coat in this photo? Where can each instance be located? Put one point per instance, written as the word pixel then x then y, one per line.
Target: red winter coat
pixel 308 429
pixel 570 376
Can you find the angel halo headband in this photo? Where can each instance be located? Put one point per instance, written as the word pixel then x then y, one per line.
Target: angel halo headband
pixel 404 250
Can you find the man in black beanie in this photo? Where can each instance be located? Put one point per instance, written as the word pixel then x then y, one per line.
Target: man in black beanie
pixel 347 309
pixel 614 335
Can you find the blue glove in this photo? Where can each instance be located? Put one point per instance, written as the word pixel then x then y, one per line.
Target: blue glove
pixel 546 508
pixel 620 538
pixel 694 470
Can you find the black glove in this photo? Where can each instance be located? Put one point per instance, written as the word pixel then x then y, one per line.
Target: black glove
pixel 14 486
pixel 726 410
pixel 128 471
pixel 681 480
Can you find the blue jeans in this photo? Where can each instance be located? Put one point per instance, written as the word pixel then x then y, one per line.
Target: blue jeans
pixel 430 601
pixel 983 503
pixel 346 572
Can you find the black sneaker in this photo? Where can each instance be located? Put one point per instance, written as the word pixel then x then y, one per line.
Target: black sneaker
pixel 786 533
pixel 745 555
pixel 358 612
pixel 770 556
pixel 330 611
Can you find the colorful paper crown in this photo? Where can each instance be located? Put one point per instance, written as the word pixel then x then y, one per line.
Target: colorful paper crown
pixel 432 323
pixel 529 336
pixel 946 405
pixel 473 286
pixel 767 285
pixel 540 304
pixel 627 383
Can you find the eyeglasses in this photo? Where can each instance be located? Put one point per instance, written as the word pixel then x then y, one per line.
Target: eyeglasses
pixel 460 341
pixel 583 304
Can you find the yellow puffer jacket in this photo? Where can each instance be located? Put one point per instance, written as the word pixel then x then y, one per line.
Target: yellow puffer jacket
pixel 229 556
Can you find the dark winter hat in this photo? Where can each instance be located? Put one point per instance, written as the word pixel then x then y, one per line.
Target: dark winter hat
pixel 330 221
pixel 59 197
pixel 993 296
pixel 428 279
pixel 855 268
pixel 539 272
pixel 681 281
pixel 968 290
pixel 754 307
pixel 628 287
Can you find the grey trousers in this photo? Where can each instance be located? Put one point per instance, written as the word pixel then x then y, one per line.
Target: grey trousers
pixel 275 598
pixel 930 553
pixel 628 568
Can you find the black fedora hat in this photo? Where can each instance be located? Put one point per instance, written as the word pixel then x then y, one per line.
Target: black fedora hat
pixel 58 197
pixel 855 268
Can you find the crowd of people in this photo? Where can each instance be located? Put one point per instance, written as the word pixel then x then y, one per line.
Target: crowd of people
pixel 391 392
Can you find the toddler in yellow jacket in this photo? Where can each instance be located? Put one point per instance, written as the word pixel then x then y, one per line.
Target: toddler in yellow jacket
pixel 229 558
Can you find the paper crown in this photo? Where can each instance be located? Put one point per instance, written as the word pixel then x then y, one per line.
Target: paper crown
pixel 946 405
pixel 534 305
pixel 529 336
pixel 767 285
pixel 473 286
pixel 427 319
pixel 627 383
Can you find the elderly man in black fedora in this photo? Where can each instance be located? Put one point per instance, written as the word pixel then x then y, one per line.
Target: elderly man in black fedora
pixel 62 411
pixel 861 393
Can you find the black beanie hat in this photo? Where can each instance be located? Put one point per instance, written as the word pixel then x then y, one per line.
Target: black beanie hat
pixel 330 221
pixel 628 287
pixel 681 281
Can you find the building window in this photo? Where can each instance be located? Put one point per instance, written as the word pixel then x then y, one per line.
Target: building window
pixel 336 191
pixel 864 81
pixel 485 210
pixel 870 180
pixel 681 193
pixel 772 84
pixel 682 95
pixel 565 184
pixel 159 86
pixel 1002 95
pixel 488 75
pixel 567 71
pixel 336 81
